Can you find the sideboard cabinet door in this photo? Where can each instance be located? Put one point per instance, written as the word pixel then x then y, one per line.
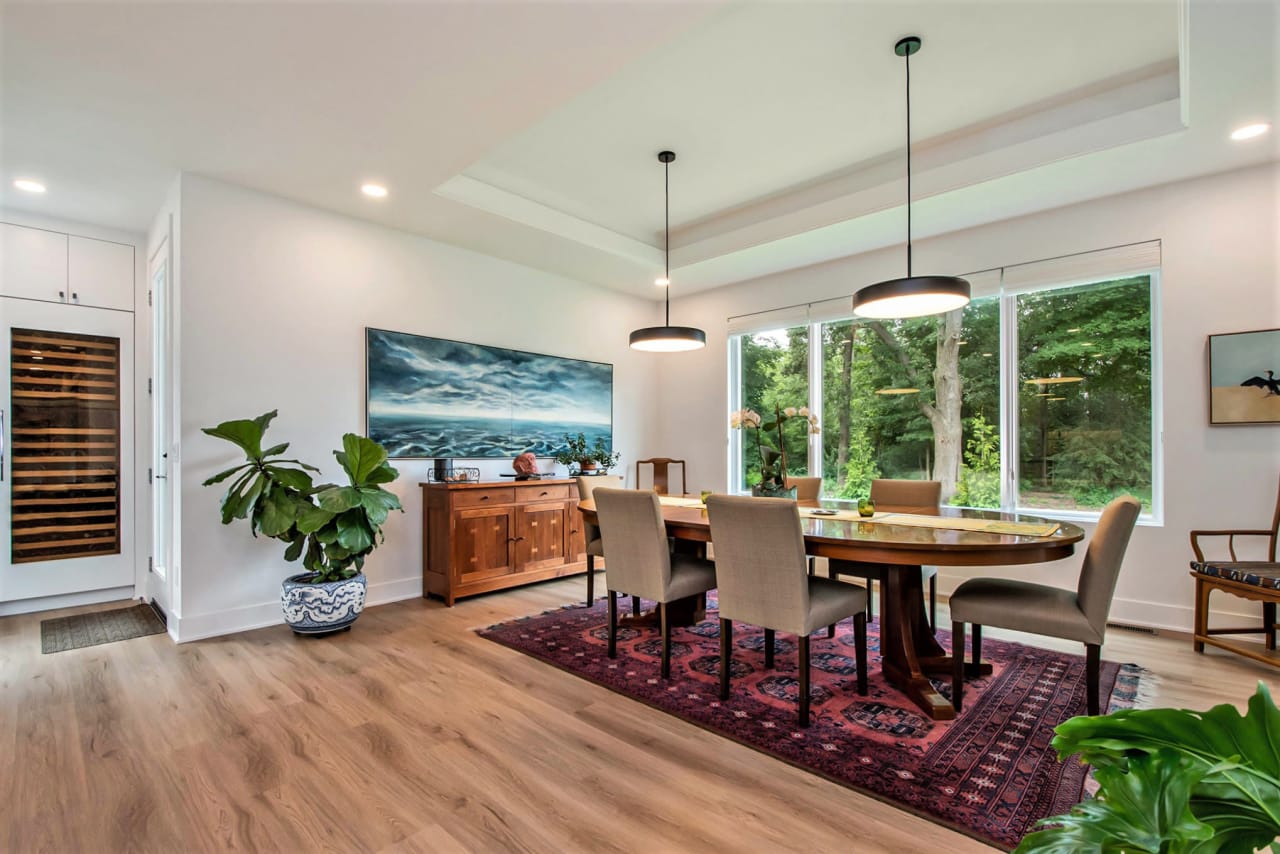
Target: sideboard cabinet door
pixel 482 543
pixel 100 273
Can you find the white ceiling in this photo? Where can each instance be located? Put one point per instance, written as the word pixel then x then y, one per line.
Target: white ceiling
pixel 529 130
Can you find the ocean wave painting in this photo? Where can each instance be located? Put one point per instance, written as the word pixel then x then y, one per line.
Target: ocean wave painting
pixel 432 397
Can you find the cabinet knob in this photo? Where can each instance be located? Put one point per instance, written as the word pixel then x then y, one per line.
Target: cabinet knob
pixel 75 297
pixel 484 498
pixel 62 295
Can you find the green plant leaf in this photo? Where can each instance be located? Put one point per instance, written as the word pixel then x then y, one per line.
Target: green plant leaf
pixel 295 548
pixel 360 457
pixel 377 502
pixel 245 433
pixel 337 499
pixel 278 512
pixel 1145 808
pixel 1208 738
pixel 312 518
pixel 221 476
pixel 276 449
pixel 354 533
pixel 292 478
pixel 382 474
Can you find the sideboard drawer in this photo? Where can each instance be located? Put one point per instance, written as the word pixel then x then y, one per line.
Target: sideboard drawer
pixel 483 497
pixel 549 492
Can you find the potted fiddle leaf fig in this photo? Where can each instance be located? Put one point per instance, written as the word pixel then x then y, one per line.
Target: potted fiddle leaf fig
pixel 331 527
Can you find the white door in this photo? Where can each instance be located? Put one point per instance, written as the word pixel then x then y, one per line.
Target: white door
pixel 66 500
pixel 160 585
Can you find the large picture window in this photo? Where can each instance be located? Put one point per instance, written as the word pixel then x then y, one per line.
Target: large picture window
pixel 1035 397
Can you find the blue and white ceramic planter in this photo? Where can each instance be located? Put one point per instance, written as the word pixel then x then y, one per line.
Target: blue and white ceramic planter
pixel 315 608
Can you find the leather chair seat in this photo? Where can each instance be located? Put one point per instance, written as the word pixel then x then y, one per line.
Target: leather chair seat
pixel 1022 607
pixel 832 601
pixel 690 576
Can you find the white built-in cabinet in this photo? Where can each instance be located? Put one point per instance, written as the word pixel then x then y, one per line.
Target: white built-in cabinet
pixel 53 267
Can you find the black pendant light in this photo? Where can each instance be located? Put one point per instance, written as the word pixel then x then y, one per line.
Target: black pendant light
pixel 668 338
pixel 914 296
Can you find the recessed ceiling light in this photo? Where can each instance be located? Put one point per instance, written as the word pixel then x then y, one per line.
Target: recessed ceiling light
pixel 1250 131
pixel 662 281
pixel 29 186
pixel 376 190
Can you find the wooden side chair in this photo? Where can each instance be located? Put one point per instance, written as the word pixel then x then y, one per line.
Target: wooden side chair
pixel 897 496
pixel 640 562
pixel 661 479
pixel 760 567
pixel 1079 615
pixel 1258 581
pixel 595 545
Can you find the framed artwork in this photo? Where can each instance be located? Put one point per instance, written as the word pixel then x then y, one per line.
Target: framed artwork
pixel 433 397
pixel 1244 377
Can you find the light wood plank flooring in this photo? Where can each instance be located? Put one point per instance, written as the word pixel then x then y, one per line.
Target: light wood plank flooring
pixel 410 733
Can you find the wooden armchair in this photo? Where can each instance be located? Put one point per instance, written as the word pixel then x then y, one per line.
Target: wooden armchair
pixel 1255 580
pixel 661 480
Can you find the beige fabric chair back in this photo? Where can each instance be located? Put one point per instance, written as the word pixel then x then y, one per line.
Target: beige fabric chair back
pixel 585 486
pixel 761 572
pixel 808 490
pixel 635 539
pixel 1102 560
pixel 906 496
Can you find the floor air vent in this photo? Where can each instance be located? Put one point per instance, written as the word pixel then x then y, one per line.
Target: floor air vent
pixel 1140 630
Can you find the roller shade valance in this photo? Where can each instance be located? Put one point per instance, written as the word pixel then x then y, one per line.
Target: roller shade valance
pixel 1113 263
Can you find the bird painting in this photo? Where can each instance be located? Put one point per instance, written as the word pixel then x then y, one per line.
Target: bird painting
pixel 1269 383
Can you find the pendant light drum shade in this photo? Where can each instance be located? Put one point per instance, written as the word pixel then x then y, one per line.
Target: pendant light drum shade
pixel 668 338
pixel 912 296
pixel 915 296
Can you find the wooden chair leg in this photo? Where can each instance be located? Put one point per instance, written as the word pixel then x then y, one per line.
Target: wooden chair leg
pixel 591 580
pixel 957 665
pixel 831 630
pixel 613 623
pixel 933 602
pixel 860 650
pixel 1269 623
pixel 976 635
pixel 1093 668
pixel 726 656
pixel 768 648
pixel 1201 627
pixel 665 620
pixel 635 606
pixel 871 594
pixel 813 565
pixel 804 680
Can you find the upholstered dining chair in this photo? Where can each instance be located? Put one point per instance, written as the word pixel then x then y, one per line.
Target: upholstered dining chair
pixel 1079 615
pixel 808 494
pixel 808 490
pixel 661 474
pixel 640 561
pixel 760 569
pixel 595 546
pixel 897 496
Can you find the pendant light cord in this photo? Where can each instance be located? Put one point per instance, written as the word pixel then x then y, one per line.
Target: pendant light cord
pixel 908 58
pixel 666 192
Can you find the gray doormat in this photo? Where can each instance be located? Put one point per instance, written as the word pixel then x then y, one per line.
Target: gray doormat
pixel 64 633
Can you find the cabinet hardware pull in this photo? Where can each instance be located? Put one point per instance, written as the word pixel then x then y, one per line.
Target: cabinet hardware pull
pixel 75 297
pixel 62 295
pixel 484 498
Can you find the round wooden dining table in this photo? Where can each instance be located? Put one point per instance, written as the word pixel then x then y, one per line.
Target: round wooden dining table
pixel 908 649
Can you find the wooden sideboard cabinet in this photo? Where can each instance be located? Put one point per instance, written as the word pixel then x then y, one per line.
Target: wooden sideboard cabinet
pixel 478 537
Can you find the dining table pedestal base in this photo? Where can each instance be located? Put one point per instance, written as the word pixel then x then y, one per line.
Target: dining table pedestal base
pixel 909 651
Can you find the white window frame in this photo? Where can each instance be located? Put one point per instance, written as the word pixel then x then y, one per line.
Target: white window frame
pixel 1009 409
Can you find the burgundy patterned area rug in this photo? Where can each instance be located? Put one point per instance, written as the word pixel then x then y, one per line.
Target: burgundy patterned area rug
pixel 990 774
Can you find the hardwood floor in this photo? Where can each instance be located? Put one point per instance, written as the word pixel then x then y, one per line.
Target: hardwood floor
pixel 409 733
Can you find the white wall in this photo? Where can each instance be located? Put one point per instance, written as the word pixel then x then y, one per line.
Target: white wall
pixel 1220 241
pixel 275 297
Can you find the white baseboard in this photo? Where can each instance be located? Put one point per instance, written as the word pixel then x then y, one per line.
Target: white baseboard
pixel 262 615
pixel 1151 615
pixel 66 600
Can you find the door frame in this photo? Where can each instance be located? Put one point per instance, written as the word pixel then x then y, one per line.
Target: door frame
pixel 161 589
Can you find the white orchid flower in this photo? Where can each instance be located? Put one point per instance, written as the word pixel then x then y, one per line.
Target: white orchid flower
pixel 804 412
pixel 790 412
pixel 735 419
